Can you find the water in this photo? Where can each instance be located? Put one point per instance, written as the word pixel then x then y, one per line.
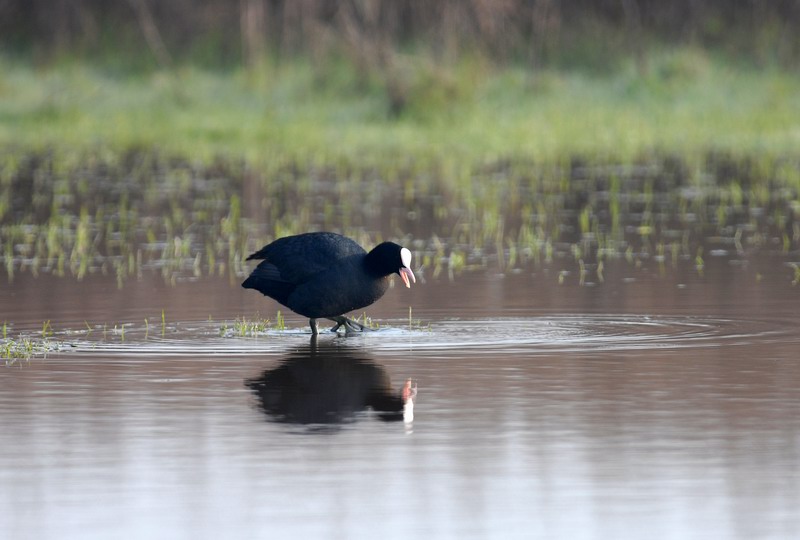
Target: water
pixel 652 404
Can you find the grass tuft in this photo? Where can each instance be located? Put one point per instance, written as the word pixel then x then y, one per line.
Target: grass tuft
pixel 280 324
pixel 242 327
pixel 23 347
pixel 417 324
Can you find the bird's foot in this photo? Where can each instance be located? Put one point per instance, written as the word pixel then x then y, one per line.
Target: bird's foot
pixel 350 326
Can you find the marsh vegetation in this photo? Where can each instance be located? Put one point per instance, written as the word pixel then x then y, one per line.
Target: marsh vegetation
pixel 496 139
pixel 143 212
pixel 602 199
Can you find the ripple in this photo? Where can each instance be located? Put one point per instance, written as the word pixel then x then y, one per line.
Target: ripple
pixel 597 333
pixel 531 335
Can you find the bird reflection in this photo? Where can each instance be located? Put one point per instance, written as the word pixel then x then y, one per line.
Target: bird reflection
pixel 328 384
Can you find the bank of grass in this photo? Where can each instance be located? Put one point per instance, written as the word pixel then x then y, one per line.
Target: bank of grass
pixel 685 101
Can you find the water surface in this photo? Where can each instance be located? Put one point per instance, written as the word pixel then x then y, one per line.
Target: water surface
pixel 658 405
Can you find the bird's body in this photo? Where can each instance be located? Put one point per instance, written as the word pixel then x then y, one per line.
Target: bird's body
pixel 324 275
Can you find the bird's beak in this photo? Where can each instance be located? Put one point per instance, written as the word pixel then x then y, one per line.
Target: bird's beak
pixel 406 274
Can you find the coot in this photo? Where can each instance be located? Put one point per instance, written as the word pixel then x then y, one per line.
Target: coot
pixel 325 275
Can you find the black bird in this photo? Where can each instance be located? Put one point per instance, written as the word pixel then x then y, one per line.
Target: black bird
pixel 325 275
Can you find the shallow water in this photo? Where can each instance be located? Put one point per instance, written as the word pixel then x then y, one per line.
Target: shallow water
pixel 652 404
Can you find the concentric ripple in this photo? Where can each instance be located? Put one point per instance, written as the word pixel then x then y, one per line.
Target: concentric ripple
pixel 588 333
pixel 530 335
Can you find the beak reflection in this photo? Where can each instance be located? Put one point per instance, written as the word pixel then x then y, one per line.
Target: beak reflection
pixel 324 386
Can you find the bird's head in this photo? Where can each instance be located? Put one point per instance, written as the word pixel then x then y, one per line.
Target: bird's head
pixel 390 258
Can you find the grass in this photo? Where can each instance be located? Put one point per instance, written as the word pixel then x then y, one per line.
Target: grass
pixel 31 344
pixel 13 350
pixel 243 327
pixel 687 101
pixel 367 321
pixel 280 324
pixel 25 347
pixel 185 173
pixel 417 324
pixel 141 211
pixel 258 326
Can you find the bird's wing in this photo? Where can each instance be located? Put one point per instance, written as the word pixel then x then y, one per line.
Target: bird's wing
pixel 267 279
pixel 297 258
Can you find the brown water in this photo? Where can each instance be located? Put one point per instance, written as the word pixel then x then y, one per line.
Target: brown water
pixel 650 405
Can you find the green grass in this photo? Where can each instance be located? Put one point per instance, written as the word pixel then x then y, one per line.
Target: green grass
pixel 367 321
pixel 280 323
pixel 12 350
pixel 486 166
pixel 25 347
pixel 244 327
pixel 417 324
pixel 258 326
pixel 686 102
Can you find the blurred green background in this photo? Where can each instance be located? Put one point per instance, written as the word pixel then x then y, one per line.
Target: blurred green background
pixel 180 136
pixel 477 79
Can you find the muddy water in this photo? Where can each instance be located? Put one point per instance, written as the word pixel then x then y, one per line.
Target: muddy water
pixel 649 405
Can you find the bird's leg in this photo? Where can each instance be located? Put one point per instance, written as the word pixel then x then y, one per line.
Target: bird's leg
pixel 339 322
pixel 314 328
pixel 353 325
pixel 350 326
